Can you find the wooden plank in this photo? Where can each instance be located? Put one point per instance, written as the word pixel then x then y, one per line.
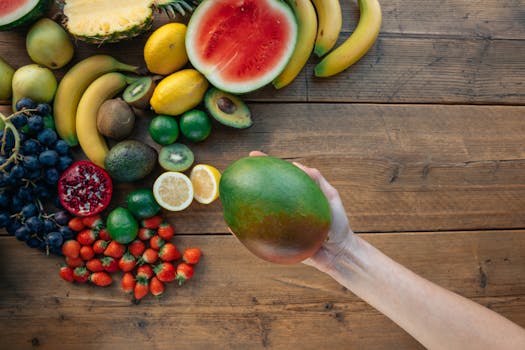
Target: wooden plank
pixel 238 301
pixel 398 167
pixel 445 63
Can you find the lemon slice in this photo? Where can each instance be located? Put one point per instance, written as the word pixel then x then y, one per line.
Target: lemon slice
pixel 173 191
pixel 205 180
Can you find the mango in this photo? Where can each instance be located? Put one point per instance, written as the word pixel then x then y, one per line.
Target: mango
pixel 274 208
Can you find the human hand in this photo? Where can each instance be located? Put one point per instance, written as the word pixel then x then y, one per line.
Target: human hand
pixel 340 235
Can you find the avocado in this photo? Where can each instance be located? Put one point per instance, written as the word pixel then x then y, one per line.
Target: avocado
pixel 130 160
pixel 227 109
pixel 274 208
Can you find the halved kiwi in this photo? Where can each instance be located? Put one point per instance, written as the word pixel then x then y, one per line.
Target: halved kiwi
pixel 176 157
pixel 227 109
pixel 138 93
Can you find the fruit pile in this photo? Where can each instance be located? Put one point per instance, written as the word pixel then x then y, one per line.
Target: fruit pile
pixel 147 262
pixel 32 157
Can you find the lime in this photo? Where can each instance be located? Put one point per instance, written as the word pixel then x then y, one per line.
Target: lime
pixel 142 204
pixel 195 125
pixel 163 129
pixel 121 225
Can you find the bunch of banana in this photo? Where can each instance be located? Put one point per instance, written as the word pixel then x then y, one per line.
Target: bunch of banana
pixel 101 89
pixel 72 87
pixel 320 23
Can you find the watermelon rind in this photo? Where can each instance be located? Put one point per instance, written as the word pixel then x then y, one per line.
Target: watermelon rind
pixel 214 72
pixel 26 14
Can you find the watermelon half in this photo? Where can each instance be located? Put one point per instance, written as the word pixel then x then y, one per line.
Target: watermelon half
pixel 17 13
pixel 241 45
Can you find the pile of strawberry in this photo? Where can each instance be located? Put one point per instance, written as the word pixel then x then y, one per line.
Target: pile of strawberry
pixel 148 262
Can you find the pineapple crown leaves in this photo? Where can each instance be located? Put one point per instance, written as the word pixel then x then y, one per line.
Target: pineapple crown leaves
pixel 174 7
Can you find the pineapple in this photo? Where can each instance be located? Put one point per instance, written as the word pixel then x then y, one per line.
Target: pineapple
pixel 103 21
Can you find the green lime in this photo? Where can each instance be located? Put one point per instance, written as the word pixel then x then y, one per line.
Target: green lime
pixel 142 203
pixel 121 225
pixel 195 125
pixel 163 129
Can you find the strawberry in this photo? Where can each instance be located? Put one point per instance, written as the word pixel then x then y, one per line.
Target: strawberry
pixel 66 272
pixel 169 252
pixel 141 289
pixel 127 262
pixel 136 248
pixel 93 221
pixel 156 287
pixel 127 282
pixel 99 246
pixel 166 231
pixel 191 255
pixel 152 222
pixel 104 234
pixel 115 249
pixel 165 271
pixel 74 262
pixel 101 279
pixel 81 274
pixel 144 271
pixel 110 264
pixel 87 252
pixel 149 256
pixel 86 236
pixel 145 234
pixel 184 272
pixel 95 265
pixel 156 242
pixel 76 224
pixel 71 248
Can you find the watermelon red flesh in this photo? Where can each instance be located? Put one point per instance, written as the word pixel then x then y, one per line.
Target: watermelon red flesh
pixel 241 45
pixel 15 13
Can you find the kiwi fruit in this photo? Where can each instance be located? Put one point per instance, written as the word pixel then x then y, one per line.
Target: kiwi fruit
pixel 176 157
pixel 138 93
pixel 115 119
pixel 227 109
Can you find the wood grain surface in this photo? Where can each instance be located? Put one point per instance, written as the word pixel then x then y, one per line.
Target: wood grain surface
pixel 425 140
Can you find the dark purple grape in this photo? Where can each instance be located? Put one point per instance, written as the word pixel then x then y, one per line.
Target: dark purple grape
pixel 35 123
pixel 35 224
pixel 19 120
pixel 29 210
pixel 64 162
pixel 13 226
pixel 48 158
pixel 30 147
pixel 51 176
pixel 31 163
pixel 54 239
pixel 18 171
pixel 62 217
pixel 5 219
pixel 25 193
pixel 5 200
pixel 9 140
pixel 23 233
pixel 25 103
pixel 49 225
pixel 62 147
pixel 67 233
pixel 43 109
pixel 47 137
pixel 34 242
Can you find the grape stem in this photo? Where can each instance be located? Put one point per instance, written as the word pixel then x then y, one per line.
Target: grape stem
pixel 8 125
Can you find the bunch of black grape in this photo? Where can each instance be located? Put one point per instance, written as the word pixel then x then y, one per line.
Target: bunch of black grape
pixel 32 157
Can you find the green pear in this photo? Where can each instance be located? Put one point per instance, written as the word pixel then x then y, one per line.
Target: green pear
pixel 6 77
pixel 48 44
pixel 34 81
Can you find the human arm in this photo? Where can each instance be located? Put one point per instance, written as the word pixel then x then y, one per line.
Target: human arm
pixel 436 317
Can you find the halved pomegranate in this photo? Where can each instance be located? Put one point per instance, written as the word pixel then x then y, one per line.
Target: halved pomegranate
pixel 84 188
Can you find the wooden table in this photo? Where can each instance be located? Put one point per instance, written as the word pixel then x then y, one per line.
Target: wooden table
pixel 425 140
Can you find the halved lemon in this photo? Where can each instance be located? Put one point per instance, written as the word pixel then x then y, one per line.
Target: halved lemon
pixel 173 191
pixel 205 180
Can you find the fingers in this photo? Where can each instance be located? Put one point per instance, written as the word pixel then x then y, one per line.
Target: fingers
pixel 257 154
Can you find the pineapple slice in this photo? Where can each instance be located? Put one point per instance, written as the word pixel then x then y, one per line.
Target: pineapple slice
pixel 102 21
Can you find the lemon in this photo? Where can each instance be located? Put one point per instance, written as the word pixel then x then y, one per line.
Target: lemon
pixel 165 50
pixel 179 92
pixel 205 180
pixel 173 191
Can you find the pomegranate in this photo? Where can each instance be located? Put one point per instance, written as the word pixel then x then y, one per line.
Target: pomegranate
pixel 84 188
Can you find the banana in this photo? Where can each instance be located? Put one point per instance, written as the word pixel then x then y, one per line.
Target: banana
pixel 101 89
pixel 359 42
pixel 73 85
pixel 330 22
pixel 307 31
